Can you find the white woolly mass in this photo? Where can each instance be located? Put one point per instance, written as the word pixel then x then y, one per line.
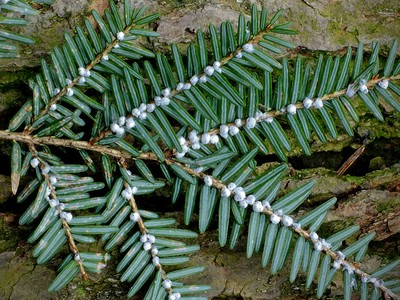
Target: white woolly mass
pixel 231 186
pixel 269 120
pixel 318 246
pixel 143 238
pixel 165 92
pixel 196 146
pixel 350 92
pixel 146 246
pixel 209 70
pixel 337 264
pixel 214 139
pixel 180 154
pixel 251 123
pixel 203 79
pixel 239 55
pixel 287 221
pixel 53 202
pixel 384 83
pixel 143 116
pixel 291 109
pixel 156 261
pixel 193 136
pixel 66 216
pixel 134 189
pixel 130 123
pixel 105 57
pixel 70 92
pixel 194 79
pixel 120 36
pixel 142 107
pixel 150 107
pixel 182 140
pixel 81 80
pixel 121 121
pixel 174 296
pixel 154 251
pixel 250 199
pixel 216 64
pixel 307 103
pixel 239 194
pixel 120 131
pixel 243 203
pixel 258 207
pixel 208 181
pixel 127 193
pixel 180 86
pixel 187 86
pixel 165 101
pixel 225 192
pixel 53 107
pixel 81 71
pixel 313 237
pixel 318 103
pixel 56 91
pixel 266 204
pixel 233 130
pixel 223 131
pixel 248 48
pixel 136 112
pixel 205 138
pixel 167 283
pixel 53 180
pixel 363 88
pixel 151 238
pixel 34 162
pixel 134 217
pixel 340 255
pixel 275 219
pixel 114 127
pixel 238 122
pixel 46 169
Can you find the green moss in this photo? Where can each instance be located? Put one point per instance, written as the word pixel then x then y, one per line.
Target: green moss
pixel 387 205
pixel 8 238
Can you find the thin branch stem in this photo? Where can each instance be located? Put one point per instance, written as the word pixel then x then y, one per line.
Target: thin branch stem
pixel 34 140
pixel 71 241
pixel 142 228
pixel 304 233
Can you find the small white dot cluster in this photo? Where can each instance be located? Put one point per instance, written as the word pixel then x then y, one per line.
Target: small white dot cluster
pixel 249 48
pixel 120 36
pixel 161 100
pixel 167 284
pixel 53 202
pixel 363 87
pixel 276 217
pixel 148 240
pixel 83 73
pixel 378 283
pixel 128 192
pixel 226 131
pixel 174 296
pixel 384 84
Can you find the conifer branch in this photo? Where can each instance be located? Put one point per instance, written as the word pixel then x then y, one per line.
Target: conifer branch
pixel 62 215
pixel 277 217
